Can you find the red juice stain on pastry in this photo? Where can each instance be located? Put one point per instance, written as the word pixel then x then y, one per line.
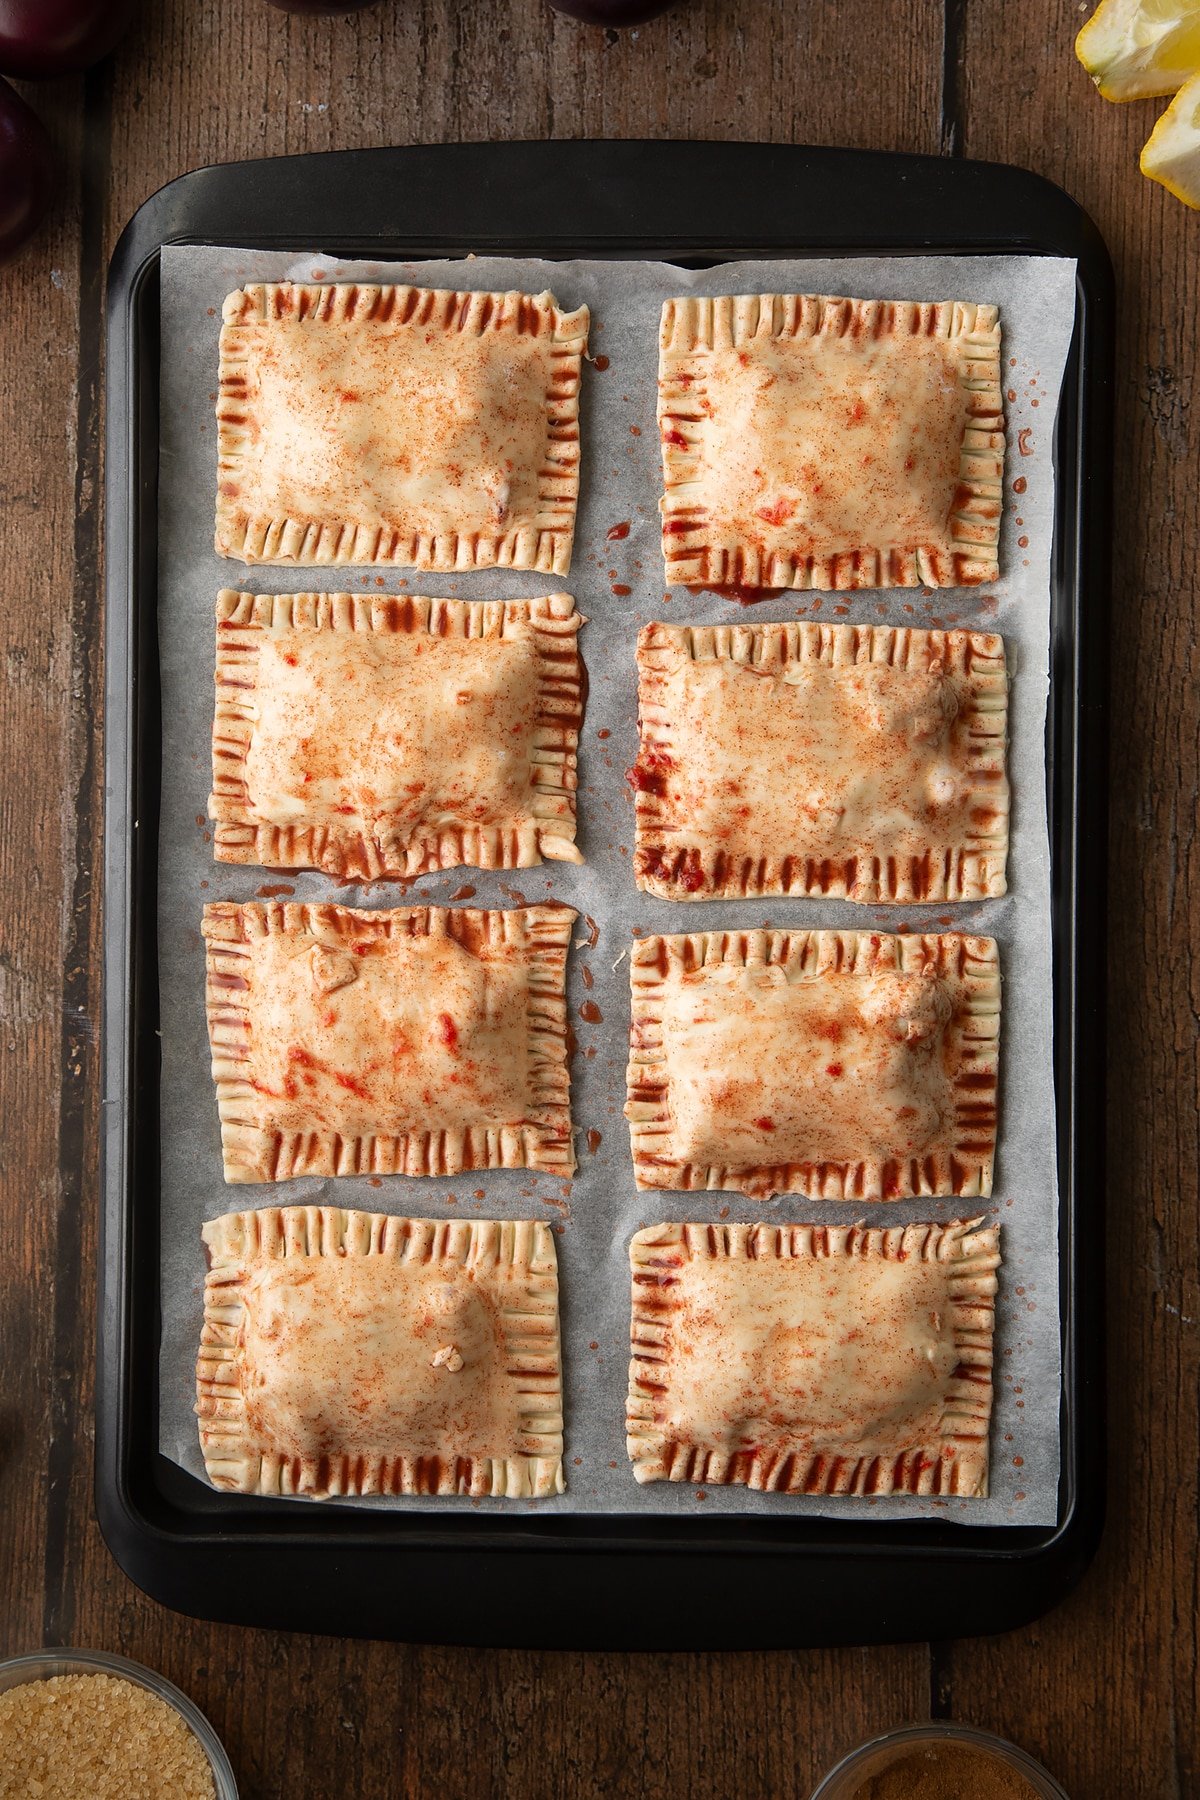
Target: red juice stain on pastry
pixel 594 1140
pixel 447 1031
pixel 616 532
pixel 649 774
pixel 312 1065
pixel 465 892
pixel 591 1012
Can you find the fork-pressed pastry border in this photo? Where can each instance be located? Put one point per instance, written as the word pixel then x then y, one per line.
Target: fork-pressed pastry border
pixel 518 1257
pixel 542 542
pixel 536 937
pixel 955 1464
pixel 959 1164
pixel 672 859
pixel 701 551
pixel 348 850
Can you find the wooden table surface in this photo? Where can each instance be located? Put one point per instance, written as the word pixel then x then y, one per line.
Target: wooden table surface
pixel 1105 1688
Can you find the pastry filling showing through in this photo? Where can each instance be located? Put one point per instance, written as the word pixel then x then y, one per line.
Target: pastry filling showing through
pixel 763 1070
pixel 334 395
pixel 433 737
pixel 824 444
pixel 362 1356
pixel 789 759
pixel 391 1035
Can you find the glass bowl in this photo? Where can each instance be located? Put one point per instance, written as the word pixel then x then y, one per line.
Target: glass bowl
pixel 879 1753
pixel 41 1664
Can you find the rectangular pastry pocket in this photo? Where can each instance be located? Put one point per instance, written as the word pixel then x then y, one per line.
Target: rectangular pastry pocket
pixel 414 426
pixel 375 735
pixel 816 441
pixel 842 1065
pixel 863 762
pixel 352 1353
pixel 814 1359
pixel 412 1041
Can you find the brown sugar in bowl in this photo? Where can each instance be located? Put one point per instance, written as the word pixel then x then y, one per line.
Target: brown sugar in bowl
pixel 938 1762
pixel 75 1722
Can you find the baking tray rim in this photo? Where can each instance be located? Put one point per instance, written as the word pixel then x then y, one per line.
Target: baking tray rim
pixel 163 1524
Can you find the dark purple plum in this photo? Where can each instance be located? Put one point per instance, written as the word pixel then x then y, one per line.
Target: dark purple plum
pixel 40 39
pixel 612 12
pixel 26 171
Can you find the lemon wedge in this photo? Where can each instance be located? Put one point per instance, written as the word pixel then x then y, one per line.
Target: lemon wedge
pixel 1172 152
pixel 1133 49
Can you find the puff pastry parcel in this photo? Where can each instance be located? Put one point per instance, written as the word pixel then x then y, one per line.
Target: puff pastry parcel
pixel 352 1353
pixel 417 1041
pixel 810 441
pixel 864 761
pixel 415 426
pixel 843 1065
pixel 814 1359
pixel 383 735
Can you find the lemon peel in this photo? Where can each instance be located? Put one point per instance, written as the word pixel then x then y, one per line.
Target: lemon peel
pixel 1172 151
pixel 1135 49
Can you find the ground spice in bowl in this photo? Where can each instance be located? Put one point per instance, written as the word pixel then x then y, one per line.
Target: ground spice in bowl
pixel 66 1736
pixel 945 1771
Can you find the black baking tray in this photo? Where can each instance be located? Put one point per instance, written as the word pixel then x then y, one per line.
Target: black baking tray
pixel 632 1581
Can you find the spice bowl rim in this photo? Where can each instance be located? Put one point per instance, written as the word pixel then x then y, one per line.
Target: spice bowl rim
pixel 939 1731
pixel 42 1665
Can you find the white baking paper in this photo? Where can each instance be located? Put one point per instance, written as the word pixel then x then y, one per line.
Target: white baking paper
pixel 595 1214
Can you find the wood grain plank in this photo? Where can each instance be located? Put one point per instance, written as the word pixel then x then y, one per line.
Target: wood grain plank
pixel 230 79
pixel 440 71
pixel 39 337
pixel 1106 1688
